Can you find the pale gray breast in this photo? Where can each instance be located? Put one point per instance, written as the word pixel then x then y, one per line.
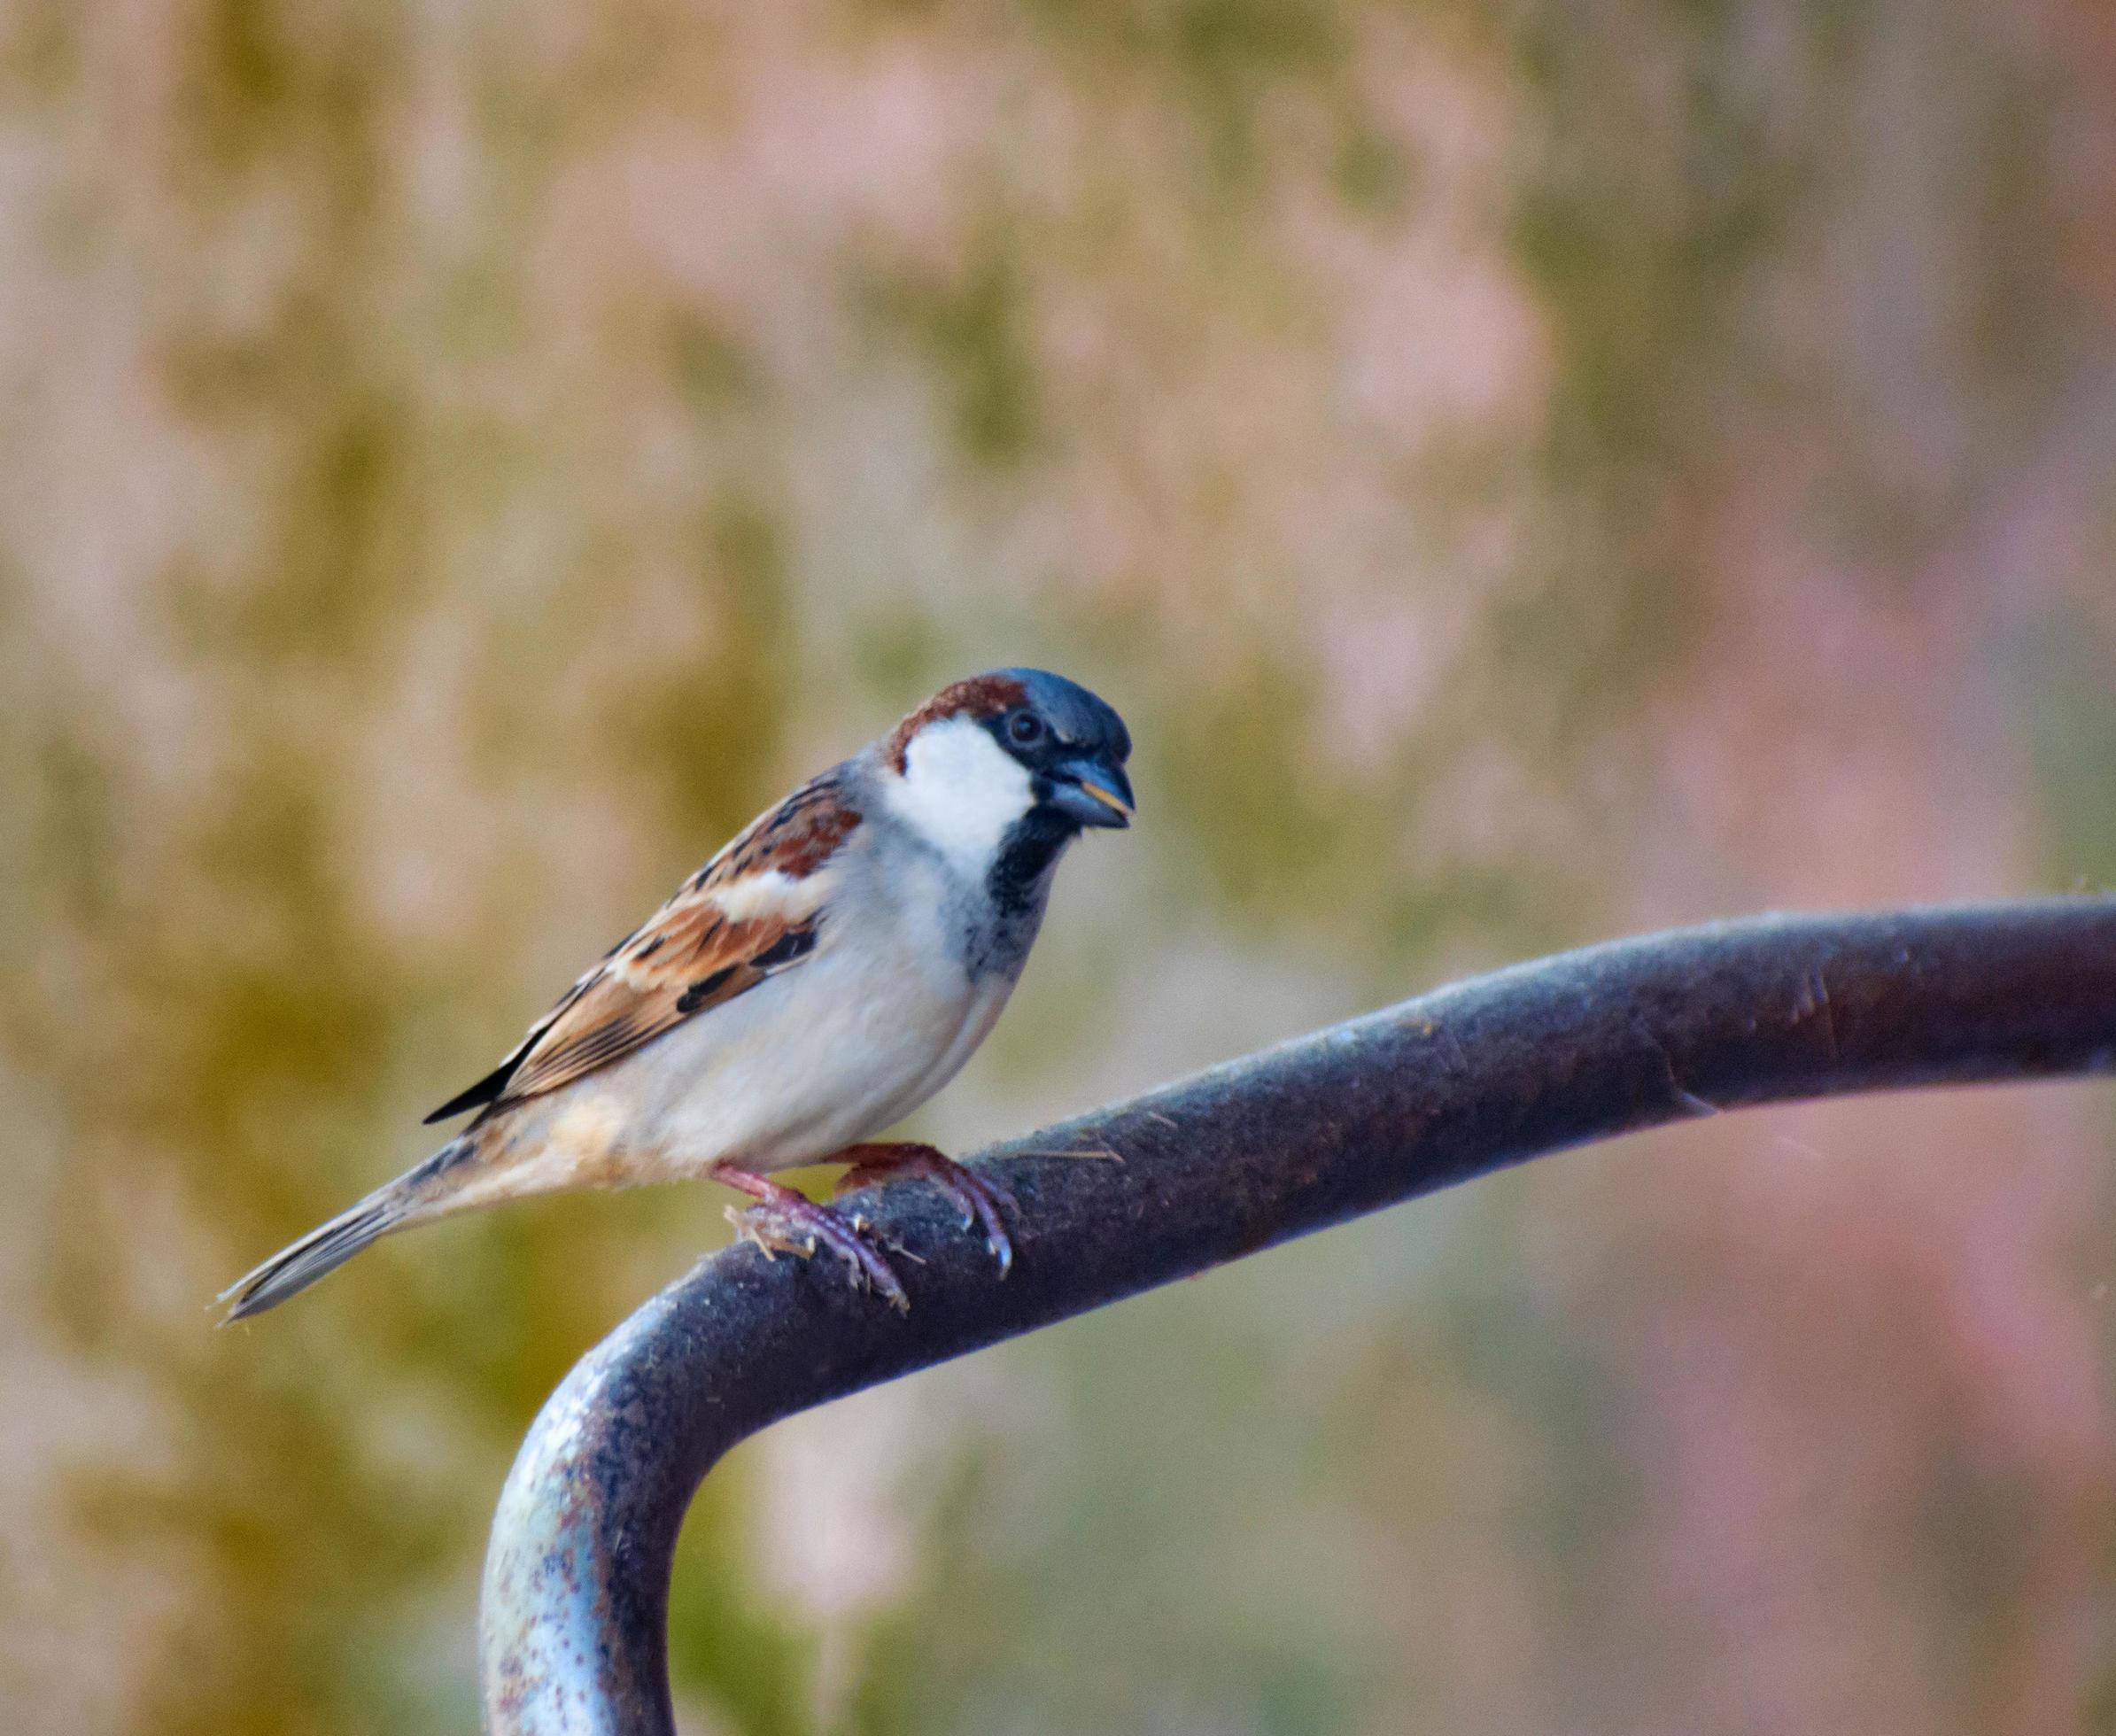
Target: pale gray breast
pixel 941 901
pixel 893 897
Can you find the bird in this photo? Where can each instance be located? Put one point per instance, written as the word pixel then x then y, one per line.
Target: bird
pixel 827 972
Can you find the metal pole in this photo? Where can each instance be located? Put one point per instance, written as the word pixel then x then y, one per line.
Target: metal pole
pixel 1456 1084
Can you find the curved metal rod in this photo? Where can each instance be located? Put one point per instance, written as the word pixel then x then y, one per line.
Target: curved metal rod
pixel 1453 1085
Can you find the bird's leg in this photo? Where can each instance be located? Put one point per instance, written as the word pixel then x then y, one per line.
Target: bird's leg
pixel 784 1221
pixel 976 1196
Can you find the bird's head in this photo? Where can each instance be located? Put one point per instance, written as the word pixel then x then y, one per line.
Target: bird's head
pixel 1013 755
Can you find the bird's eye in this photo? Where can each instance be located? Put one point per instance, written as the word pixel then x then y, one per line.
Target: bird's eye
pixel 1025 727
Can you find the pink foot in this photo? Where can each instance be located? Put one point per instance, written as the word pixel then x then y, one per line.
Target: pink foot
pixel 786 1222
pixel 977 1197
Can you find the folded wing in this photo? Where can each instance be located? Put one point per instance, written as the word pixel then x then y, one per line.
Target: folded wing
pixel 755 909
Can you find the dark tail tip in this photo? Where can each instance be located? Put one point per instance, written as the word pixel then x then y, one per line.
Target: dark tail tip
pixel 315 1255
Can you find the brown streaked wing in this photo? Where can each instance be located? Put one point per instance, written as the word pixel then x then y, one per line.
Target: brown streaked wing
pixel 690 957
pixel 688 961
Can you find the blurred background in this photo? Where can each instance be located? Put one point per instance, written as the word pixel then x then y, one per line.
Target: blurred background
pixel 1527 473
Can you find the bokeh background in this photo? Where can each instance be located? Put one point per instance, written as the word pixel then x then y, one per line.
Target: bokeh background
pixel 1527 472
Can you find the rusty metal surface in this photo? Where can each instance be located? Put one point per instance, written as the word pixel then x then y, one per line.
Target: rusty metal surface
pixel 1434 1091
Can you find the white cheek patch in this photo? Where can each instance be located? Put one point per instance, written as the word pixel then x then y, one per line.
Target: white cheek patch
pixel 960 790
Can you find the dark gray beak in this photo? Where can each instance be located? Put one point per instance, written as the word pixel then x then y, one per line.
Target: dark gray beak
pixel 1091 793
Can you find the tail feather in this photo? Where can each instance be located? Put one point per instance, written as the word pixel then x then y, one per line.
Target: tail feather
pixel 431 1190
pixel 323 1251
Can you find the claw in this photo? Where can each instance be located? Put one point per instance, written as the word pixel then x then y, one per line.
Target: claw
pixel 784 1221
pixel 983 1201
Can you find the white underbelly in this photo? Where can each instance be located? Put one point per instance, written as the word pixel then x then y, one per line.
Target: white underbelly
pixel 815 1060
pixel 828 1053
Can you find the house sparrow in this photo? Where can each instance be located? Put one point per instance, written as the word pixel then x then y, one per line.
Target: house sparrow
pixel 825 974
